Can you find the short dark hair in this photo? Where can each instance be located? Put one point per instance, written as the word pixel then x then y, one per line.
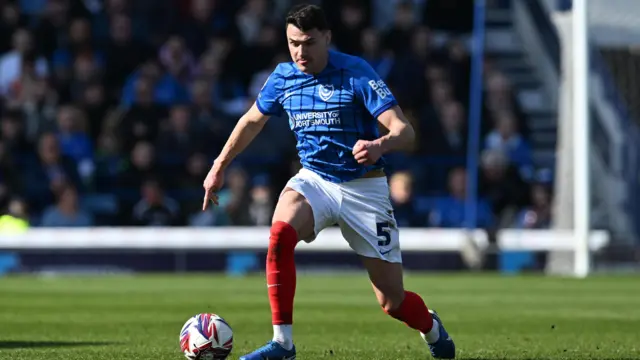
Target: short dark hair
pixel 307 17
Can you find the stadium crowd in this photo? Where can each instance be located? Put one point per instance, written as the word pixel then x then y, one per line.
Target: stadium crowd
pixel 113 110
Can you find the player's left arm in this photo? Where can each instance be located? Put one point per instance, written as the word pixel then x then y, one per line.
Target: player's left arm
pixel 383 106
pixel 400 137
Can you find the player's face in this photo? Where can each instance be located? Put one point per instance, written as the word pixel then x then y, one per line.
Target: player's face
pixel 309 50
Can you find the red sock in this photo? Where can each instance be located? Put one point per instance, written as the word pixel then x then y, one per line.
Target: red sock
pixel 413 312
pixel 281 272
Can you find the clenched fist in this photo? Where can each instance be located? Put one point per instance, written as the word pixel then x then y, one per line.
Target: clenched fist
pixel 367 152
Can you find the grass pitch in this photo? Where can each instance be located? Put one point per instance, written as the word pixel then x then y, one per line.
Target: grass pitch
pixel 489 317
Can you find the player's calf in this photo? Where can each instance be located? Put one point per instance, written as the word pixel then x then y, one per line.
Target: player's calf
pixel 281 280
pixel 291 218
pixel 408 306
pixel 281 272
pixel 413 312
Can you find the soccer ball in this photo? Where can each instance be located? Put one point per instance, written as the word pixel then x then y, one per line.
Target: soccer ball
pixel 206 337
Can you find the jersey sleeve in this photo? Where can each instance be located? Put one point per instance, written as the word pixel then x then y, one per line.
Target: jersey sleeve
pixel 371 89
pixel 267 101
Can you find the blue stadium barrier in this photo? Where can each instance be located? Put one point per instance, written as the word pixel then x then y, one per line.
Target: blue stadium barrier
pixel 240 263
pixel 475 112
pixel 8 262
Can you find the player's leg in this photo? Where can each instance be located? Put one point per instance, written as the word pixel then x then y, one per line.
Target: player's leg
pixel 305 208
pixel 367 223
pixel 292 221
pixel 408 307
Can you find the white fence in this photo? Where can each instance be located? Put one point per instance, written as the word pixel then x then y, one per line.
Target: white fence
pixel 223 238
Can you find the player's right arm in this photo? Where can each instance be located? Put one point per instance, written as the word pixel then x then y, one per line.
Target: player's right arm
pixel 247 128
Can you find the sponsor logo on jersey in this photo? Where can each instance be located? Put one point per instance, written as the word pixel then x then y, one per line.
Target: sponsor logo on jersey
pixel 380 88
pixel 316 118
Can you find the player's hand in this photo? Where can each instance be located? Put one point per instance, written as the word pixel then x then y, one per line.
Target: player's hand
pixel 212 183
pixel 367 152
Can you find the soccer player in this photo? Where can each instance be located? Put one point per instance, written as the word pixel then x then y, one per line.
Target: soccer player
pixel 334 103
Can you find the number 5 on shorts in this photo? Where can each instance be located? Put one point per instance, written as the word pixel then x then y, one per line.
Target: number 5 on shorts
pixel 382 229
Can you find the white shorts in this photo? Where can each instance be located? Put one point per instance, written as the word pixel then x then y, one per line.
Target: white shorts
pixel 361 208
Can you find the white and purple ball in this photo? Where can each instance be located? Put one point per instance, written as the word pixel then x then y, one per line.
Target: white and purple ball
pixel 206 337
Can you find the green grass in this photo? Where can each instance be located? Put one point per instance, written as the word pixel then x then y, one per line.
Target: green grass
pixel 336 316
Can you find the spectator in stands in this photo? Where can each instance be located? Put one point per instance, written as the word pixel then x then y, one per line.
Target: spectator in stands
pixel 202 22
pixel 196 166
pixel 134 83
pixel 459 68
pixel 451 139
pixel 17 210
pixel 257 55
pixel 398 37
pixel 261 206
pixel 155 208
pixel 8 177
pixel 37 101
pixel 96 106
pixel 538 215
pixel 402 199
pixel 10 20
pixel 380 60
pixel 67 212
pixel 12 134
pixel 165 80
pixel 177 60
pixel 250 19
pixel 51 30
pixel 123 53
pixel 80 45
pixel 350 27
pixel 500 183
pixel 85 71
pixel 109 162
pixel 180 138
pixel 449 211
pixel 74 141
pixel 142 165
pixel 49 174
pixel 499 98
pixel 12 64
pixel 408 63
pixel 141 121
pixel 506 138
pixel 226 95
pixel 438 93
pixel 234 198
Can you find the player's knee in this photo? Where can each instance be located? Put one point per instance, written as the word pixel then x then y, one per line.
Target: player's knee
pixel 282 240
pixel 283 232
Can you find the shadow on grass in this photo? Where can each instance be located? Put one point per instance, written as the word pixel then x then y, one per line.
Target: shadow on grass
pixel 50 344
pixel 532 358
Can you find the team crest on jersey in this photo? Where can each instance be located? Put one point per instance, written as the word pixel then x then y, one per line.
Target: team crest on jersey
pixel 326 92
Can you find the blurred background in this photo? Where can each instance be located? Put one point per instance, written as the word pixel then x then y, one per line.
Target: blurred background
pixel 112 111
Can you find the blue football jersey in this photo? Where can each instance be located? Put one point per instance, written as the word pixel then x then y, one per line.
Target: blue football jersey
pixel 329 112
